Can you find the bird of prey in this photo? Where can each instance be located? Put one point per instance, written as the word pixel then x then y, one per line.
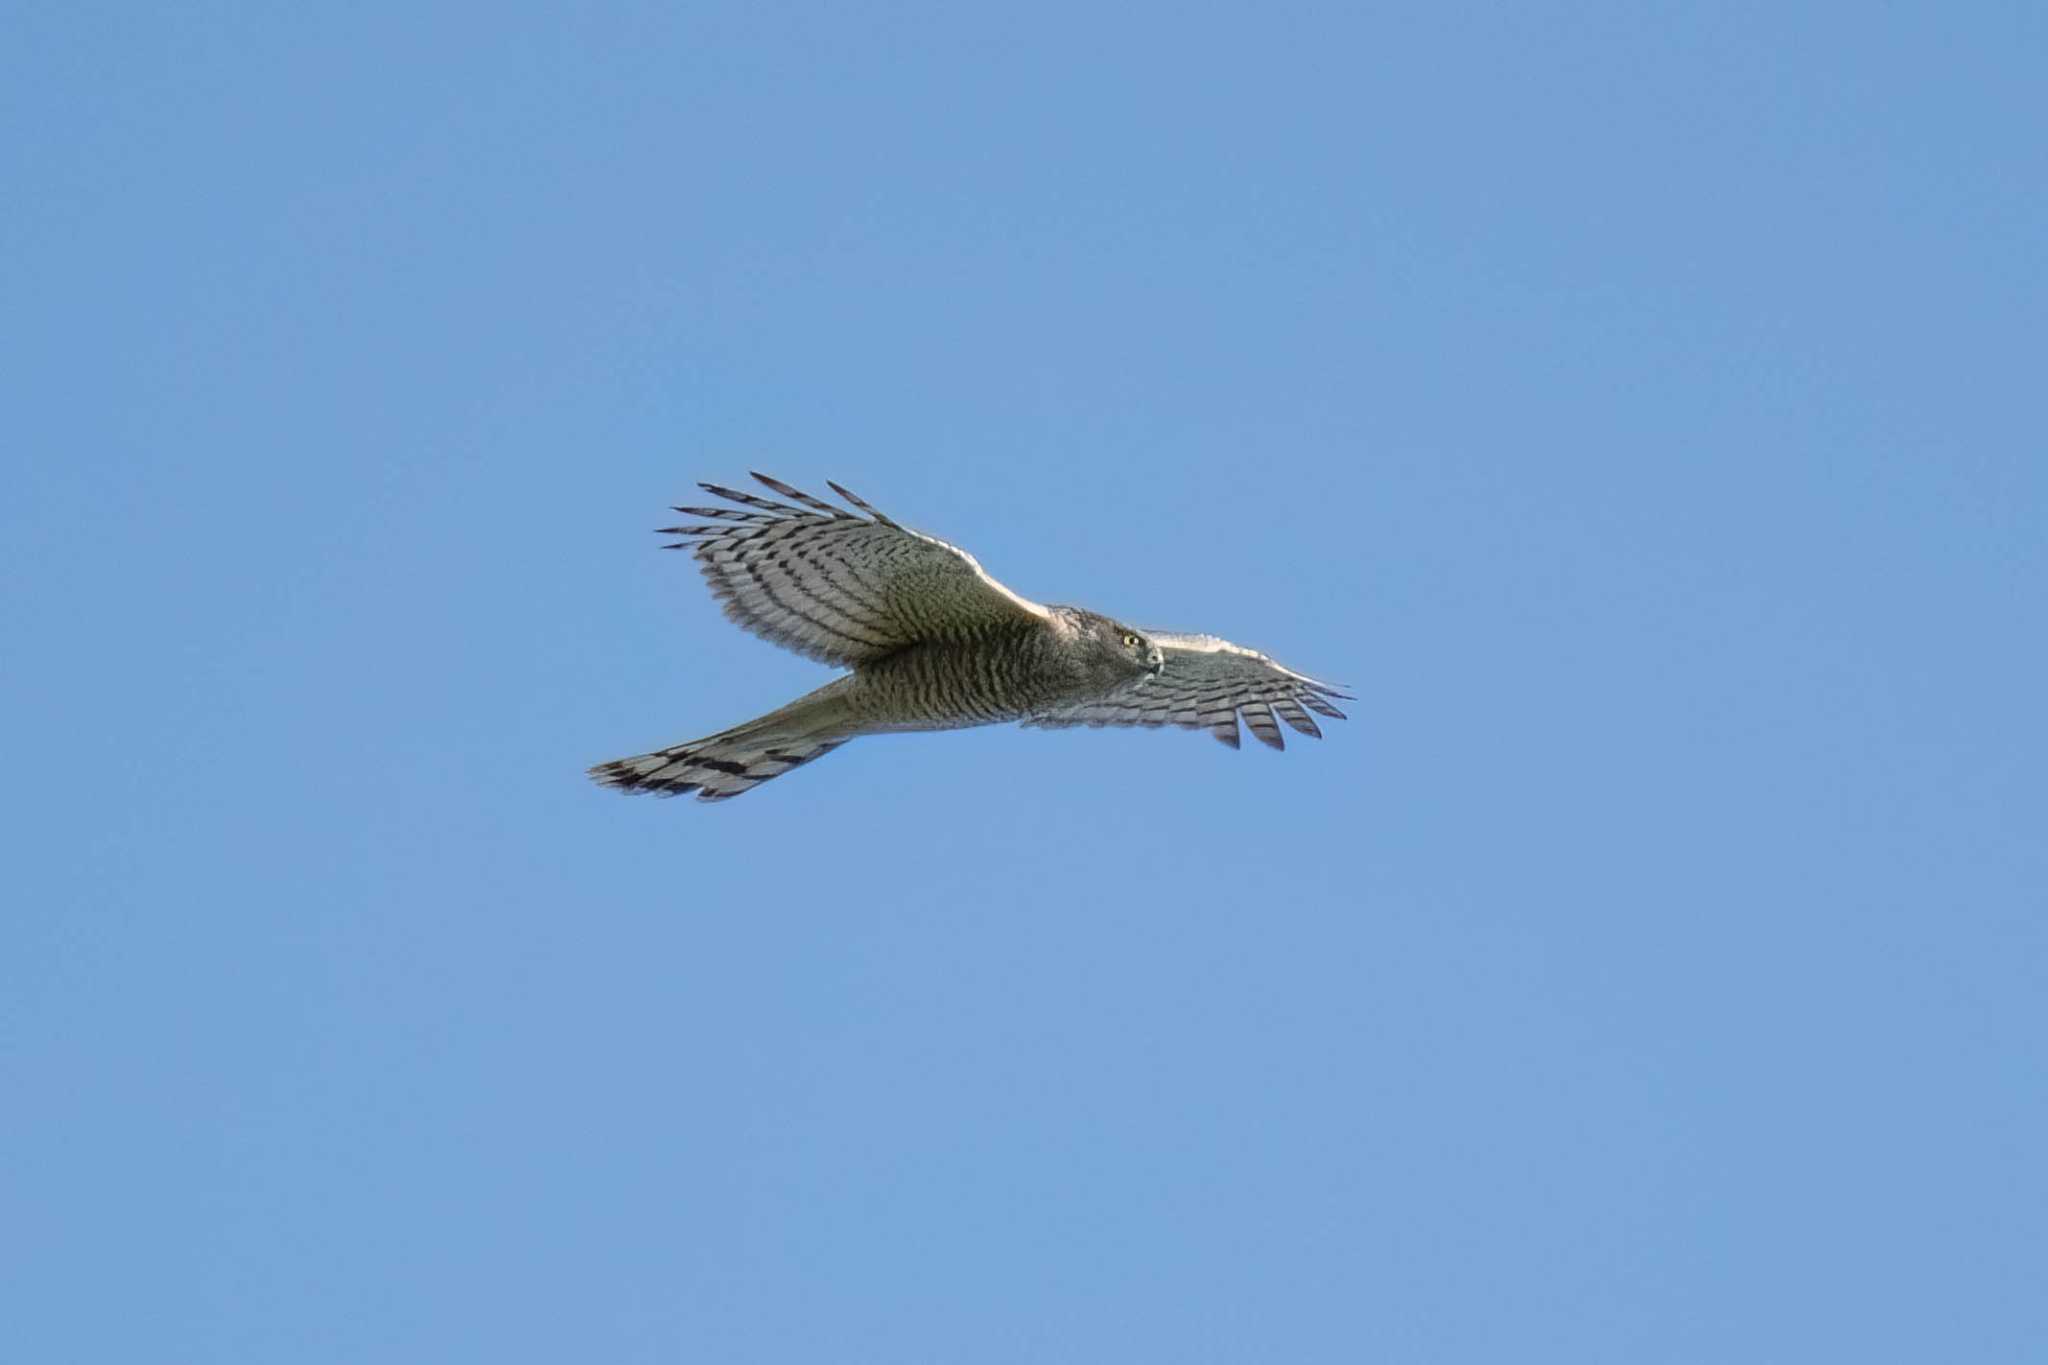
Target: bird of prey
pixel 934 643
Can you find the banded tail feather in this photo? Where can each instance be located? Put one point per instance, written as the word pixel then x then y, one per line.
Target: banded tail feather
pixel 721 766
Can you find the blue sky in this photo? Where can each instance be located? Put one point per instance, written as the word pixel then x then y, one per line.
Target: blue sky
pixel 1637 406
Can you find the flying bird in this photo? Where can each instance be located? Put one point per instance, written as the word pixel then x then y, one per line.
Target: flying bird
pixel 934 643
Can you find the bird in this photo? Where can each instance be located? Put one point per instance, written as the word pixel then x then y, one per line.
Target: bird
pixel 933 643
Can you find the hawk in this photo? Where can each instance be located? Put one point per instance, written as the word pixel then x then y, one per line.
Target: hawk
pixel 934 643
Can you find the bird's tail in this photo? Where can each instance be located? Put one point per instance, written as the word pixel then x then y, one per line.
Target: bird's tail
pixel 742 758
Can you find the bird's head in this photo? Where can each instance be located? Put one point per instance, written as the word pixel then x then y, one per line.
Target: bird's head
pixel 1116 653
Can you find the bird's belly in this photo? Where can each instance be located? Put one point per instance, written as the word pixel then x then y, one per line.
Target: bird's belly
pixel 952 686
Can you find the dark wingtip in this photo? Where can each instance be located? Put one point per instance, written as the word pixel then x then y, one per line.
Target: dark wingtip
pixel 798 495
pixel 610 775
pixel 1265 729
pixel 858 501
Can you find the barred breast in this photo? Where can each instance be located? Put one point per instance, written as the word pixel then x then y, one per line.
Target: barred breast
pixel 984 679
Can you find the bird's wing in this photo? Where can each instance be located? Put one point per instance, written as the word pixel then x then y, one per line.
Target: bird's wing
pixel 1205 683
pixel 839 586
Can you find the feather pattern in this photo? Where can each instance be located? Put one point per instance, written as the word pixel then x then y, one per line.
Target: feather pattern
pixel 721 766
pixel 934 643
pixel 1207 683
pixel 839 587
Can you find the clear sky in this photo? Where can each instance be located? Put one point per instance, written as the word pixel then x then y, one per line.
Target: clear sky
pixel 1637 406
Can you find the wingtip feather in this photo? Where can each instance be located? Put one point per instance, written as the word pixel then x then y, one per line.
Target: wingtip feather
pixel 856 500
pixel 798 495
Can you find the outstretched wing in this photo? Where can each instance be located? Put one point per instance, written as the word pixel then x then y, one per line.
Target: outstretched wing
pixel 838 586
pixel 1205 684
